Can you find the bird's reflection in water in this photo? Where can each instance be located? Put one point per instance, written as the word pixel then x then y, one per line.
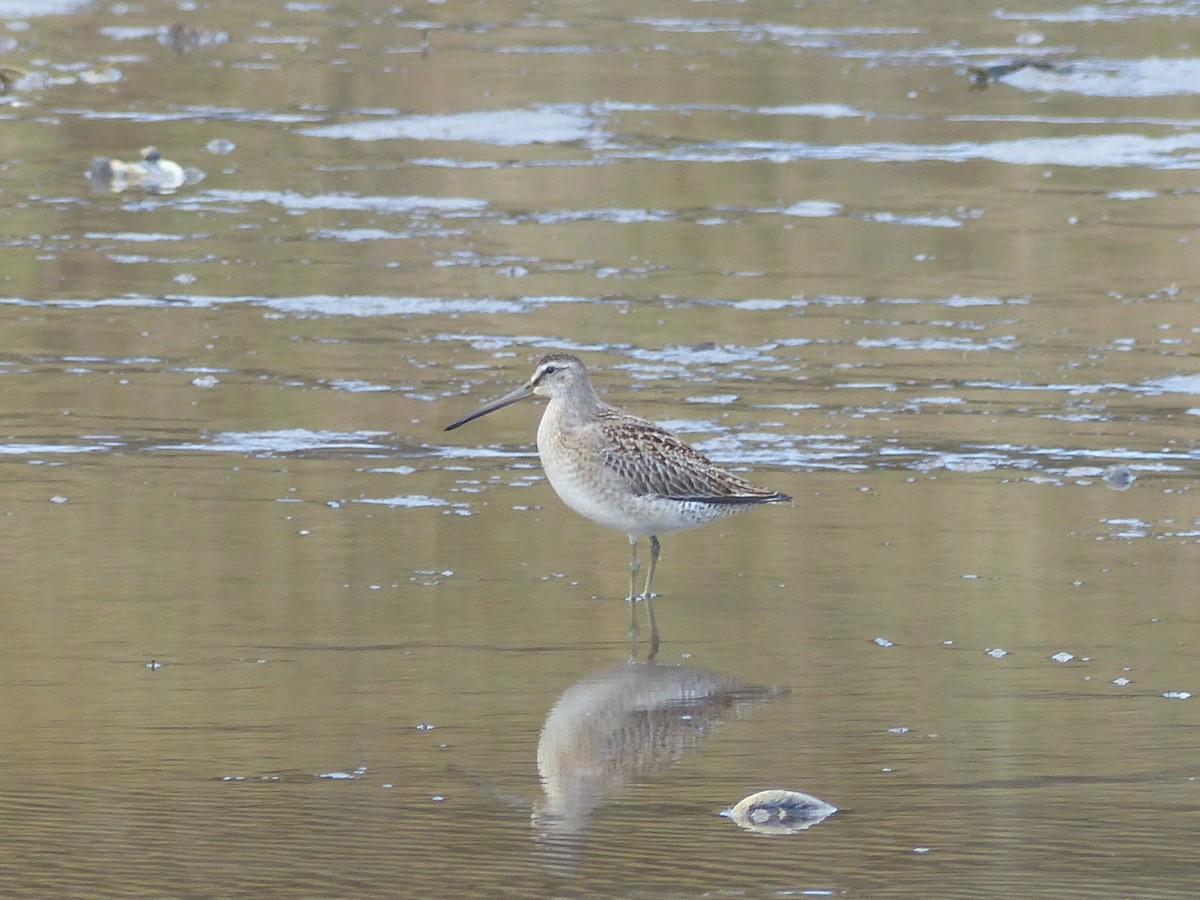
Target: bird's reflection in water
pixel 626 724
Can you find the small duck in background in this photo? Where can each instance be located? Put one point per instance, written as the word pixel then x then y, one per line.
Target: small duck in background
pixel 153 174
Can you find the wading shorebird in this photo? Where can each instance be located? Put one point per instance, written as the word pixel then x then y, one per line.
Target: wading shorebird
pixel 622 471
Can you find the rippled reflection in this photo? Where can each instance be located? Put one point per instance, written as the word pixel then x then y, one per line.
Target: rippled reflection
pixel 625 724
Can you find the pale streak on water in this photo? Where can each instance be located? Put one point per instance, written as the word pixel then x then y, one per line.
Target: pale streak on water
pixel 268 631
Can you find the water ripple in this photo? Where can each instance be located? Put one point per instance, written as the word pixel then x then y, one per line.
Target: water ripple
pixel 293 440
pixel 1093 151
pixel 549 124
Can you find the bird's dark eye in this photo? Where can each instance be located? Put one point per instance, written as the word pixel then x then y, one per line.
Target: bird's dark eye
pixel 550 370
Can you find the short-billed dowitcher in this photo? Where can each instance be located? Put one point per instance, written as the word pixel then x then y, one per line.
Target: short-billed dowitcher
pixel 622 471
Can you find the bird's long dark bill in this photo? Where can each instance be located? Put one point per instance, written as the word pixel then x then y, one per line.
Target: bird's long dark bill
pixel 525 390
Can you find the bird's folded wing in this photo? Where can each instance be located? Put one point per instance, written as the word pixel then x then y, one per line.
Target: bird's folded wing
pixel 656 463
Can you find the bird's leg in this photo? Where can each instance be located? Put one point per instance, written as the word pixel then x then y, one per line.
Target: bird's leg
pixel 655 546
pixel 633 571
pixel 647 596
pixel 633 567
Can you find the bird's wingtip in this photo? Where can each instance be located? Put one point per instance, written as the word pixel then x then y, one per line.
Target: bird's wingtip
pixel 730 499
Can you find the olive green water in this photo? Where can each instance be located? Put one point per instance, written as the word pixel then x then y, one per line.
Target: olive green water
pixel 266 630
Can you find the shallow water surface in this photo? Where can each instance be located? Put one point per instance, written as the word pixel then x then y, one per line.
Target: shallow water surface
pixel 267 630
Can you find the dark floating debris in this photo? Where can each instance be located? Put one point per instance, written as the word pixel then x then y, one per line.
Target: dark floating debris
pixel 182 39
pixel 152 174
pixel 1119 478
pixel 779 812
pixel 982 76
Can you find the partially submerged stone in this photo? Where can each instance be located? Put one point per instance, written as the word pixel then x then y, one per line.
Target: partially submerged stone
pixel 779 812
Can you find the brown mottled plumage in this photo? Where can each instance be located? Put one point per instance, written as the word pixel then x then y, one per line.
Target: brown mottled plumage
pixel 622 471
pixel 657 463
